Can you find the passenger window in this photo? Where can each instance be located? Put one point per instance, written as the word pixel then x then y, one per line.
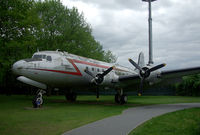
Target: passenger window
pixel 97 70
pixel 44 56
pixel 92 69
pixel 87 68
pixel 49 58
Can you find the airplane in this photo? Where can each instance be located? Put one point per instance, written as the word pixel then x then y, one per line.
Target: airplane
pixel 61 70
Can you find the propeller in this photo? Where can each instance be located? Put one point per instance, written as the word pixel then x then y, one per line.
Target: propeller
pixel 98 78
pixel 145 72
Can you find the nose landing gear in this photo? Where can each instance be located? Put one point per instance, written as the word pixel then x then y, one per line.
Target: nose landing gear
pixel 38 100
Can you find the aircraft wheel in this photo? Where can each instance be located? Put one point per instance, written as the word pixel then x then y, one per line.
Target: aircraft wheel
pixel 34 103
pixel 117 98
pixel 123 99
pixel 71 96
pixel 67 96
pixel 37 102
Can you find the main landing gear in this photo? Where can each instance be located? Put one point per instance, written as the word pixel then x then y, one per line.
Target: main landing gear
pixel 120 98
pixel 38 100
pixel 71 96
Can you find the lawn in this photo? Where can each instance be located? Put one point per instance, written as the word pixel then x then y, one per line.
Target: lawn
pixel 17 117
pixel 184 122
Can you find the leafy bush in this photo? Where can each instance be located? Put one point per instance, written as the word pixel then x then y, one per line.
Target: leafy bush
pixel 190 86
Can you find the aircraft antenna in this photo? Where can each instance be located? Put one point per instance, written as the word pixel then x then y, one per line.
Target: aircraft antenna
pixel 150 32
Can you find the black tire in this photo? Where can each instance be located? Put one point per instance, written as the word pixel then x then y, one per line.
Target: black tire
pixel 123 99
pixel 34 103
pixel 71 96
pixel 117 98
pixel 67 96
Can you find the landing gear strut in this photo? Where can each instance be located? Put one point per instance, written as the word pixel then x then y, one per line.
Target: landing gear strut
pixel 120 98
pixel 71 96
pixel 38 100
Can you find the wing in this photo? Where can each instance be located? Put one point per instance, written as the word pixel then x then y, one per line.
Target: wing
pixel 174 76
pixel 129 82
pixel 167 77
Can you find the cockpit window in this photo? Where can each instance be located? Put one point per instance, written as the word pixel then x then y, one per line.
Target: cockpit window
pixel 37 56
pixel 44 56
pixel 49 58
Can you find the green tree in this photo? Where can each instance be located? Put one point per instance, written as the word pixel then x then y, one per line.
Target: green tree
pixel 26 25
pixel 190 86
pixel 109 57
pixel 66 29
pixel 17 26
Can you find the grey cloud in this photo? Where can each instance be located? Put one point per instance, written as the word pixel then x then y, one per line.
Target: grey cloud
pixel 115 4
pixel 124 30
pixel 126 4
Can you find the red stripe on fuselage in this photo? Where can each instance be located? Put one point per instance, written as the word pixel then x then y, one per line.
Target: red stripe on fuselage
pixel 95 65
pixel 73 61
pixel 64 72
pixel 78 73
pixel 88 63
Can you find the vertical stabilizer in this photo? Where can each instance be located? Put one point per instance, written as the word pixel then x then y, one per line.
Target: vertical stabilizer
pixel 141 62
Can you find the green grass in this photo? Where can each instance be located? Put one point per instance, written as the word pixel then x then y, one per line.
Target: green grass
pixel 57 115
pixel 149 100
pixel 184 122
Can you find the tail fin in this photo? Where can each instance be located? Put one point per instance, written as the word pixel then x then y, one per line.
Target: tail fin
pixel 141 62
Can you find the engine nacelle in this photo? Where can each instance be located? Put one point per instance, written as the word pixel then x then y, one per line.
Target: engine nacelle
pixel 109 79
pixel 154 77
pixel 32 82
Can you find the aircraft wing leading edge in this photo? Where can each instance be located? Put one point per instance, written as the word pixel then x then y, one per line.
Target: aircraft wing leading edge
pixel 173 76
pixel 167 77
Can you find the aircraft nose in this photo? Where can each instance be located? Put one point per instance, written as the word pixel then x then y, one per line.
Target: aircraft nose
pixel 17 66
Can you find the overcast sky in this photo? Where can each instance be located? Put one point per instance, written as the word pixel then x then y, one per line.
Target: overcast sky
pixel 122 27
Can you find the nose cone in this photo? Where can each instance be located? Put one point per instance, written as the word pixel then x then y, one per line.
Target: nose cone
pixel 17 66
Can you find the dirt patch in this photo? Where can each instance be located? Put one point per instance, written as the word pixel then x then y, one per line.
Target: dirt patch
pixel 31 108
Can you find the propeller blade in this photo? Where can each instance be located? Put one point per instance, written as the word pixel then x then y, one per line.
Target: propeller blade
pixel 141 87
pixel 157 67
pixel 99 77
pixel 89 73
pixel 135 65
pixel 107 71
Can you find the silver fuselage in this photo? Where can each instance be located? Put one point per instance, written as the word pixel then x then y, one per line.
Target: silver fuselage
pixel 64 70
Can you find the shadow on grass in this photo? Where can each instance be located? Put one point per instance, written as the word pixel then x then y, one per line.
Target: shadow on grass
pixel 93 102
